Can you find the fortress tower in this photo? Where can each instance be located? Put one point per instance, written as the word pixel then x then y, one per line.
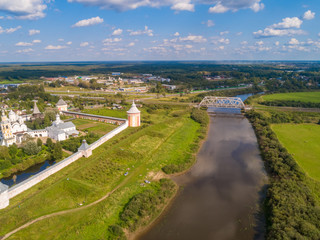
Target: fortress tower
pixel 133 116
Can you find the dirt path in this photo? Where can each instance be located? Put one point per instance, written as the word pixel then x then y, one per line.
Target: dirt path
pixel 63 212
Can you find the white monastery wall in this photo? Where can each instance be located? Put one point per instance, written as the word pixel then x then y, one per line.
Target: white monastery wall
pixel 19 188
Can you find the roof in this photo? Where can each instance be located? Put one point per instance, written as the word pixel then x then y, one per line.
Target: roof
pixel 84 146
pixel 65 125
pixel 36 109
pixel 61 102
pixel 3 187
pixel 133 108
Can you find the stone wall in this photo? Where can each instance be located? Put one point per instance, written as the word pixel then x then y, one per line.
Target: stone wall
pixel 19 188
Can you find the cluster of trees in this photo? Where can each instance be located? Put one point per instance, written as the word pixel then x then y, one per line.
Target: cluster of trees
pixel 200 116
pixel 39 123
pixel 291 207
pixel 144 206
pixel 72 144
pixel 14 158
pixel 290 103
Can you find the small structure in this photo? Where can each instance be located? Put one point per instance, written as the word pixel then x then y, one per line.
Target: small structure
pixel 4 197
pixel 85 149
pixel 36 112
pixel 62 105
pixel 134 116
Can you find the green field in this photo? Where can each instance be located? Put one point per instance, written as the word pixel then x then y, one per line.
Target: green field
pixel 107 112
pixel 297 96
pixel 93 126
pixel 302 142
pixel 141 152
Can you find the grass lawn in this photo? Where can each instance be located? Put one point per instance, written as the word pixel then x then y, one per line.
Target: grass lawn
pixel 141 152
pixel 93 126
pixel 302 141
pixel 107 112
pixel 297 96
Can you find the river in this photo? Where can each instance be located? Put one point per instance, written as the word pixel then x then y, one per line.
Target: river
pixel 221 195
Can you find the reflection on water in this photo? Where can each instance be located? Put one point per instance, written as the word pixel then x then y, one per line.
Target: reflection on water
pixel 219 197
pixel 23 175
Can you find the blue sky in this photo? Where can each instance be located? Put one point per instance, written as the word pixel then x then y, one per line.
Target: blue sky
pixel 107 30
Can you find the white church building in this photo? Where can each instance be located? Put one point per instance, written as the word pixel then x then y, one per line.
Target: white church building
pixel 13 129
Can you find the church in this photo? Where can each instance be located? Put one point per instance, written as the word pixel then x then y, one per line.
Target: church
pixel 13 129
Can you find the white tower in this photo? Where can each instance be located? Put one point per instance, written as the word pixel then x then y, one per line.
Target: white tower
pixel 133 116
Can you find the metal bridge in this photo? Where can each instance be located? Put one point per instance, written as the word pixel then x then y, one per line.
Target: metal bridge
pixel 222 102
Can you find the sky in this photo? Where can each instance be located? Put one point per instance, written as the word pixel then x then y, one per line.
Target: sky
pixel 115 30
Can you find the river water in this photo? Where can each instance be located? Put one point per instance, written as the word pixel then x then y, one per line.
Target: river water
pixel 221 195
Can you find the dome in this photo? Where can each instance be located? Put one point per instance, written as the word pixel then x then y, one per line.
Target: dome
pixel 133 109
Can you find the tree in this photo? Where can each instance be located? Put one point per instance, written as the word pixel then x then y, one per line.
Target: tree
pixel 31 148
pixel 39 142
pixel 57 151
pixel 49 143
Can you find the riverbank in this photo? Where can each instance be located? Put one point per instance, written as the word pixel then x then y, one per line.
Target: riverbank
pixel 291 206
pixel 166 139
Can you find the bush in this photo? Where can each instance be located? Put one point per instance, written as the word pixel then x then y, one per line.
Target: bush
pixel 31 148
pixel 200 116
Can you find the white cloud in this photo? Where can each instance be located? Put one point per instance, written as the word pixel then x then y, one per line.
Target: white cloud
pixel 27 50
pixel 88 22
pixel 277 43
pixel 287 27
pixel 193 38
pixel 293 41
pixel 209 23
pixel 84 44
pixel 293 22
pixel 146 31
pixel 177 5
pixel 308 15
pixel 183 6
pixel 33 32
pixel 24 9
pixel 117 32
pixel 60 39
pixel 259 43
pixel 218 8
pixel 244 43
pixel 57 47
pixel 270 32
pixel 223 33
pixel 111 41
pixel 256 7
pixel 9 30
pixel 69 43
pixel 131 44
pixel 222 6
pixel 177 34
pixel 23 44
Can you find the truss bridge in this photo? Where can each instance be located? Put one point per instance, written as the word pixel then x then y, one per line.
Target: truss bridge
pixel 222 102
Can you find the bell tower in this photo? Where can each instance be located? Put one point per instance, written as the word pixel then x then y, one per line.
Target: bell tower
pixel 6 130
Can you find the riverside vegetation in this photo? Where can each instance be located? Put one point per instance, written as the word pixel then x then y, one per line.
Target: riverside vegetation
pixel 292 202
pixel 167 137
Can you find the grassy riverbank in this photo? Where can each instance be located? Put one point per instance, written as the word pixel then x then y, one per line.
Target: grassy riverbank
pixel 168 138
pixel 292 202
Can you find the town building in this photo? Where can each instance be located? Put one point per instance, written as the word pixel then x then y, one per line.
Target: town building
pixel 62 105
pixel 133 116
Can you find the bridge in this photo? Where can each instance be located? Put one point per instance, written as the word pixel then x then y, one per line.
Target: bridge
pixel 222 102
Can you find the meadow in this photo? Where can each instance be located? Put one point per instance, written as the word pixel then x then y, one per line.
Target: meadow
pixel 93 126
pixel 294 96
pixel 302 142
pixel 142 152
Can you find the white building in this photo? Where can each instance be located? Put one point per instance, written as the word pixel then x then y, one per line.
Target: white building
pixel 60 130
pixel 62 105
pixel 12 129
